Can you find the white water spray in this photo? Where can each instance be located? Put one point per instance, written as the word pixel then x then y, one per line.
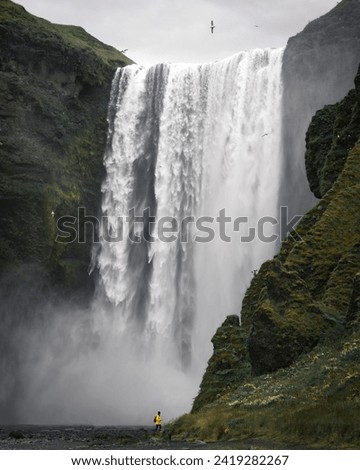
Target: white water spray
pixel 186 141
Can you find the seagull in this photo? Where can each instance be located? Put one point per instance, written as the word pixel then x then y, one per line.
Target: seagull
pixel 254 272
pixel 52 213
pixel 256 26
pixel 212 27
pixel 124 50
pixel 264 135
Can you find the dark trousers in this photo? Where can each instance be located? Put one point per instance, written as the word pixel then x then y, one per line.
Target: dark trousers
pixel 158 427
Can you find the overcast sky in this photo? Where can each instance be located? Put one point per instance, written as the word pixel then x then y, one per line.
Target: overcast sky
pixel 179 30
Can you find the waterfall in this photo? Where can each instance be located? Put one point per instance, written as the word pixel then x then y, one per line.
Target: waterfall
pixel 185 140
pixel 191 149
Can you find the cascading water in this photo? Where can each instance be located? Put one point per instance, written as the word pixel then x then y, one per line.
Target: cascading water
pixel 185 141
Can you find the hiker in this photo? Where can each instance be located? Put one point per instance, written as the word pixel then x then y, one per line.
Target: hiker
pixel 157 421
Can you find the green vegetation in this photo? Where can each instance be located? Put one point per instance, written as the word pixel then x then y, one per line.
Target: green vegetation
pixel 54 83
pixel 68 37
pixel 224 370
pixel 312 404
pixel 332 134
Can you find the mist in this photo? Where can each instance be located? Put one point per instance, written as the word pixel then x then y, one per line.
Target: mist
pixel 63 363
pixel 142 343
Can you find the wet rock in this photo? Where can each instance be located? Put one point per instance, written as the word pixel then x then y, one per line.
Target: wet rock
pixel 319 66
pixel 16 435
pixel 225 367
pixel 353 314
pixel 333 131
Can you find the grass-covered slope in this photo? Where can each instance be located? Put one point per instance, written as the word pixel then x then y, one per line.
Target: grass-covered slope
pixel 54 90
pixel 294 362
pixel 312 404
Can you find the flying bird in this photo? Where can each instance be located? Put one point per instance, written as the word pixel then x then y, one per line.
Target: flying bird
pixel 124 50
pixel 212 27
pixel 256 26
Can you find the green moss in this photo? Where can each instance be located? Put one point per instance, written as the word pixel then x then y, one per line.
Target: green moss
pixel 70 37
pixel 312 404
pixel 55 83
pixel 333 132
pixel 224 369
pixel 305 291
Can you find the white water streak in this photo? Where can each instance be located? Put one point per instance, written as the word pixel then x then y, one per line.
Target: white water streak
pixel 211 154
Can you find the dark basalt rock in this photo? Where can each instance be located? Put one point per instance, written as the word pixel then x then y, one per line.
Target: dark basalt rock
pixel 16 435
pixel 318 69
pixel 225 367
pixel 286 321
pixel 353 314
pixel 333 132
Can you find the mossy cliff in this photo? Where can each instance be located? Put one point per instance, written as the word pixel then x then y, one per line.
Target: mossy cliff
pixel 54 90
pixel 332 134
pixel 227 366
pixel 290 373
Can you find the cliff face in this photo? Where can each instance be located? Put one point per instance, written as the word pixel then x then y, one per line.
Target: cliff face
pixel 304 294
pixel 291 371
pixel 54 90
pixel 228 366
pixel 318 69
pixel 332 134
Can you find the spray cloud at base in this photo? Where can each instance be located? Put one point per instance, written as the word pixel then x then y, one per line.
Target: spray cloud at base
pixel 189 140
pixel 184 140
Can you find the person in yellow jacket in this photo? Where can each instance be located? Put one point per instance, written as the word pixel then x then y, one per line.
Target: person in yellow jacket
pixel 157 421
